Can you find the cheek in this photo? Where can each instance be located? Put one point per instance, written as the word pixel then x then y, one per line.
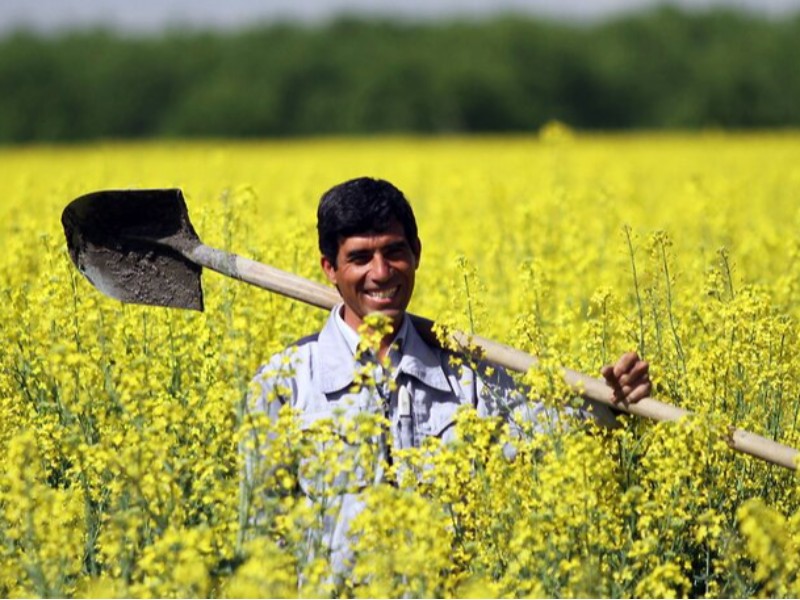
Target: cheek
pixel 349 279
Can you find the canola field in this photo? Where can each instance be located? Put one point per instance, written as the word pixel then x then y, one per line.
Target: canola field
pixel 120 425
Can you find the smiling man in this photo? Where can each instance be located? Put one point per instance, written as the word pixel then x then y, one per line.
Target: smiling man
pixel 371 251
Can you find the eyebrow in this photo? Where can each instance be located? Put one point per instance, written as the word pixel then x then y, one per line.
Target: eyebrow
pixel 391 247
pixel 398 245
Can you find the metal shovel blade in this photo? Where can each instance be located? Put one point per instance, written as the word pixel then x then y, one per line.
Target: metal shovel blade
pixel 128 244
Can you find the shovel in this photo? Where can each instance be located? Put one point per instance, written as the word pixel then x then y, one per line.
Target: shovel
pixel 139 246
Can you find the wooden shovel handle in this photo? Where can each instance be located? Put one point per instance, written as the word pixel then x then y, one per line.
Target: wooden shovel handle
pixel 590 388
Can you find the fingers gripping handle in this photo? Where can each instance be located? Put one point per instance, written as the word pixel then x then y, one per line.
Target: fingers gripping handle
pixel 596 390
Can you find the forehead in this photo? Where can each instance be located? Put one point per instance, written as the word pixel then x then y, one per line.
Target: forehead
pixel 373 239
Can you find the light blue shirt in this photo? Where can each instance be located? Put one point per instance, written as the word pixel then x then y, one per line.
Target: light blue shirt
pixel 316 377
pixel 322 369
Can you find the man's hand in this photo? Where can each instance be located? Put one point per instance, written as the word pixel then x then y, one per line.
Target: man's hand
pixel 628 378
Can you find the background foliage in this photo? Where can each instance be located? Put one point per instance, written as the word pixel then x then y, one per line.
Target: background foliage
pixel 663 69
pixel 119 424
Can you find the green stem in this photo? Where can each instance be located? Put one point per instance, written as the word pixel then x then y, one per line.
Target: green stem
pixel 639 308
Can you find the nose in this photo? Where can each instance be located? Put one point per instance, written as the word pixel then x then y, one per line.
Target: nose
pixel 381 271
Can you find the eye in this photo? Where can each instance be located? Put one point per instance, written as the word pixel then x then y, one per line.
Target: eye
pixel 359 258
pixel 395 251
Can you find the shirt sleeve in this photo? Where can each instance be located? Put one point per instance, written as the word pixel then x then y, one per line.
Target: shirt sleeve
pixel 271 388
pixel 499 394
pixel 273 385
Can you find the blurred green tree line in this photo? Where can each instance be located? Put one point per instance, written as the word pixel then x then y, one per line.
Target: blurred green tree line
pixel 662 69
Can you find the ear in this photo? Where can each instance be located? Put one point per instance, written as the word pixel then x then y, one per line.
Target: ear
pixel 330 270
pixel 416 248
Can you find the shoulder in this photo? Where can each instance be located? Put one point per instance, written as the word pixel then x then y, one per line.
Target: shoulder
pixel 285 374
pixel 498 392
pixel 482 372
pixel 494 375
pixel 287 361
pixel 472 377
pixel 304 341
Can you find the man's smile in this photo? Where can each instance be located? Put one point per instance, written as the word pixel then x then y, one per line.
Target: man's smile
pixel 383 294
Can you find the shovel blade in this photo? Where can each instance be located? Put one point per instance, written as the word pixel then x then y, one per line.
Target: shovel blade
pixel 127 243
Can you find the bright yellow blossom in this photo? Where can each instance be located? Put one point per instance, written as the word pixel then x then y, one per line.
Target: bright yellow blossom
pixel 123 429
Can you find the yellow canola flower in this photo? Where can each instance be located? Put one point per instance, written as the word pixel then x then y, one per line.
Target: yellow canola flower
pixel 773 546
pixel 123 428
pixel 41 526
pixel 407 554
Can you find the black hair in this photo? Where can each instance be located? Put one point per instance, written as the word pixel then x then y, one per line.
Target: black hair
pixel 359 206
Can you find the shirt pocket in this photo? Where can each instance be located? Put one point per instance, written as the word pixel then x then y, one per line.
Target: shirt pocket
pixel 438 417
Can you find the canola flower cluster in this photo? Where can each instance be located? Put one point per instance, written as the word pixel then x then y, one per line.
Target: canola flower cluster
pixel 122 427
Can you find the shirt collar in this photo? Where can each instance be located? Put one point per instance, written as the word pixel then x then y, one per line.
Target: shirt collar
pixel 420 360
pixel 350 335
pixel 338 343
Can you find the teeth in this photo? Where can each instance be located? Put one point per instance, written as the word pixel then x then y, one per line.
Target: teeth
pixel 382 294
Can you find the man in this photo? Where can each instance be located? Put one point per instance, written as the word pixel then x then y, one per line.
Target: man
pixel 370 252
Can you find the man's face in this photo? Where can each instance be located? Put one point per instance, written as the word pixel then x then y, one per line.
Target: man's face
pixel 375 273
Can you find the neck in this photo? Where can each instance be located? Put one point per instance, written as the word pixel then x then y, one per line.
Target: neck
pixel 355 323
pixel 386 343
